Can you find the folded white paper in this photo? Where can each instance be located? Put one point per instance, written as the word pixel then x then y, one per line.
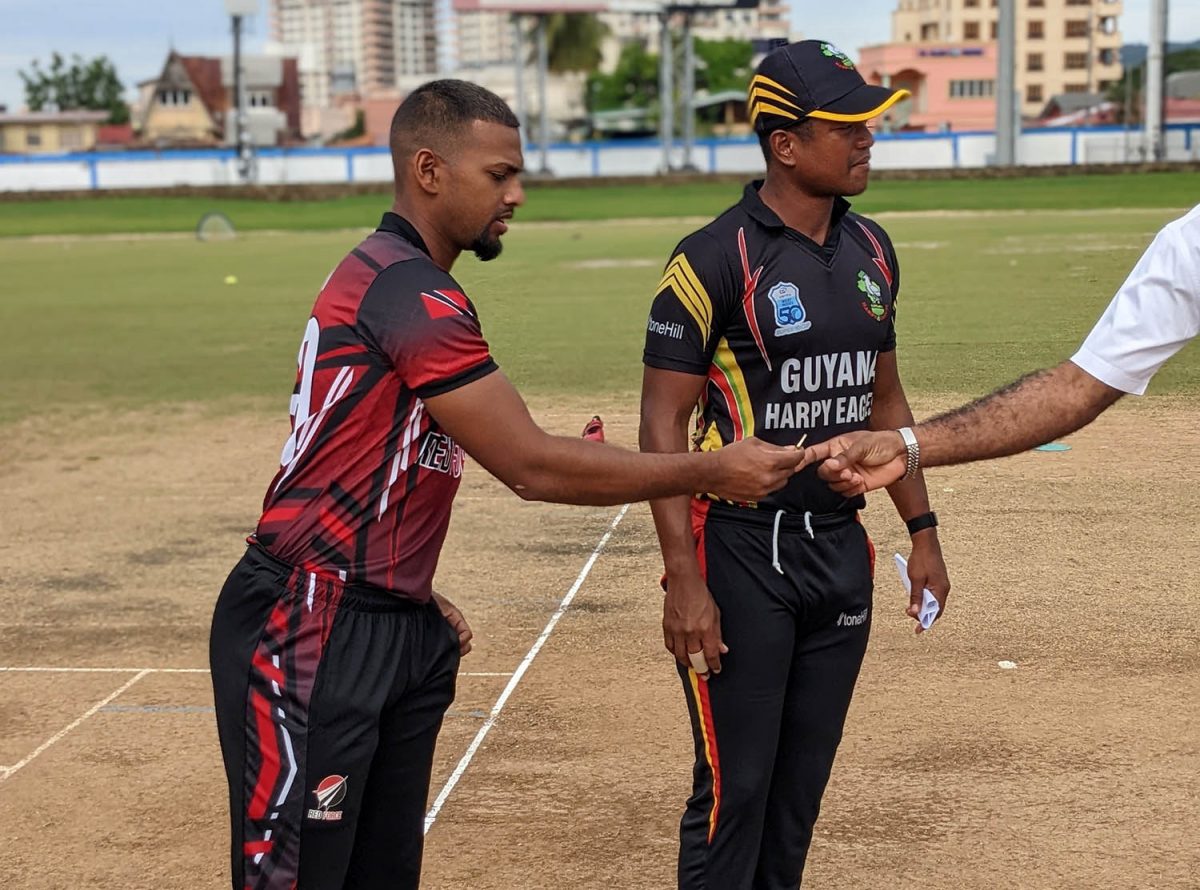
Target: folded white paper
pixel 929 603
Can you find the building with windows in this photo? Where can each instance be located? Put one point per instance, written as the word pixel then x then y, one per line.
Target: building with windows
pixel 191 102
pixel 944 52
pixel 484 38
pixel 764 26
pixel 49 132
pixel 353 50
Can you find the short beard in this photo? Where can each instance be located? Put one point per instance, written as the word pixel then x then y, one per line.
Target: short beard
pixel 485 247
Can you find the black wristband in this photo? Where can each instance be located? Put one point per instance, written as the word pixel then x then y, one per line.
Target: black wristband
pixel 922 522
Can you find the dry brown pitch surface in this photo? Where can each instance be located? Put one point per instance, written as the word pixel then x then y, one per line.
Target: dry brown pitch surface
pixel 1078 769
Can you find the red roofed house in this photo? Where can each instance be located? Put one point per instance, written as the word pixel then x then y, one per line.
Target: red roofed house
pixel 191 102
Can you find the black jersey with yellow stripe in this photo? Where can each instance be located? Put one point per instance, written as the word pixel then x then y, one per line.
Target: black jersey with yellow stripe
pixel 786 331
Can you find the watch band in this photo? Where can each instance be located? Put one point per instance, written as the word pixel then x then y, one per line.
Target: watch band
pixel 913 459
pixel 922 522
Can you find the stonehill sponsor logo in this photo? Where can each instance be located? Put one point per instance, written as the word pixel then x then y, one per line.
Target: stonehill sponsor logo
pixel 855 620
pixel 672 329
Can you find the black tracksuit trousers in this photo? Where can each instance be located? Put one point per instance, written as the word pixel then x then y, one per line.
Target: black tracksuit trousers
pixel 795 601
pixel 329 701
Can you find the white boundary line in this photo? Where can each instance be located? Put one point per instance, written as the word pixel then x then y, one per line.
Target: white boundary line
pixel 431 816
pixel 7 771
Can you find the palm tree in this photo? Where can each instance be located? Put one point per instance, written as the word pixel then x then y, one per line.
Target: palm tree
pixel 573 41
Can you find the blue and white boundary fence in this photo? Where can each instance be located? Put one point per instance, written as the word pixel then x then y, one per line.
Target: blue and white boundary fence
pixel 148 169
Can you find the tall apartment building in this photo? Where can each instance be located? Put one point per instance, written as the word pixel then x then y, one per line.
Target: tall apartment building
pixel 486 38
pixel 761 25
pixel 481 39
pixel 944 51
pixel 355 47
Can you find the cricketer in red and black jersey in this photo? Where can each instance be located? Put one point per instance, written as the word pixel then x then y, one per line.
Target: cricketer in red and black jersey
pixel 367 477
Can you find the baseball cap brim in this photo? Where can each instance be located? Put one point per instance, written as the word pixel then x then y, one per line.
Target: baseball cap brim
pixel 860 104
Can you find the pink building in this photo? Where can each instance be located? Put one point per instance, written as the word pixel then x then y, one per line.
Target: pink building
pixel 953 86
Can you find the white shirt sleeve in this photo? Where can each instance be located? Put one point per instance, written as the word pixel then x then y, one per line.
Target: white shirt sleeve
pixel 1154 314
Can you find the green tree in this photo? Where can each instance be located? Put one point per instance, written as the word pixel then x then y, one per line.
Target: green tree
pixel 1181 60
pixel 91 84
pixel 355 130
pixel 573 41
pixel 632 84
pixel 723 65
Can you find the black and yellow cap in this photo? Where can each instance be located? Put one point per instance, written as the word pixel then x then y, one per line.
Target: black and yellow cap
pixel 813 78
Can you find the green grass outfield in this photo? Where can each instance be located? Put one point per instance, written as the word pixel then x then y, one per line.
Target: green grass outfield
pixel 104 324
pixel 655 198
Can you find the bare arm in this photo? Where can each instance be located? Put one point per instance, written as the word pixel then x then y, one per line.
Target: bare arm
pixel 691 620
pixel 926 566
pixel 1028 412
pixel 491 422
pixel 890 411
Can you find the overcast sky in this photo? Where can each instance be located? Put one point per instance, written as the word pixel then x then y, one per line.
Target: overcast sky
pixel 136 34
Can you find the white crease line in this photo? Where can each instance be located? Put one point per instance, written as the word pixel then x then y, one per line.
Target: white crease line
pixel 431 816
pixel 98 670
pixel 485 674
pixel 7 771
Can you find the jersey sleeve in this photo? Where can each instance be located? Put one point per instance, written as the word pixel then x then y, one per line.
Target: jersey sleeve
pixel 690 305
pixel 426 327
pixel 882 247
pixel 1153 315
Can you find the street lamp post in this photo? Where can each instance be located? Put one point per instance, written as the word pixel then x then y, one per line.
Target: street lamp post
pixel 238 10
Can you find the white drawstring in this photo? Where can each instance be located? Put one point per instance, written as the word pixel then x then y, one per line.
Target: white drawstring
pixel 775 542
pixel 775 536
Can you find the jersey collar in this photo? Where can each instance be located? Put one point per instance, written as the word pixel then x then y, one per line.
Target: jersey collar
pixel 757 210
pixel 398 225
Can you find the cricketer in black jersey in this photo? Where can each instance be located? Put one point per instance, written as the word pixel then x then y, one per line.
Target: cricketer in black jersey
pixel 776 321
pixel 786 331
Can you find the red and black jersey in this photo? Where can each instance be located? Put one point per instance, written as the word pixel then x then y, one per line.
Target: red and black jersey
pixel 367 478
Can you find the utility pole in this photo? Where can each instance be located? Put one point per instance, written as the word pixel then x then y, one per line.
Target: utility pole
pixel 519 74
pixel 688 88
pixel 1127 114
pixel 1006 84
pixel 543 63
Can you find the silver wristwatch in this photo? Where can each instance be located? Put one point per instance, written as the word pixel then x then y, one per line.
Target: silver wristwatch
pixel 912 461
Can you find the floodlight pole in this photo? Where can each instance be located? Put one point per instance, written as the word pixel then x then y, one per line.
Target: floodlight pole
pixel 666 89
pixel 1155 145
pixel 689 91
pixel 1006 84
pixel 543 64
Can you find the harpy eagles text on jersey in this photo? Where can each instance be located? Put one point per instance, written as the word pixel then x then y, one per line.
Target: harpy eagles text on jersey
pixel 828 376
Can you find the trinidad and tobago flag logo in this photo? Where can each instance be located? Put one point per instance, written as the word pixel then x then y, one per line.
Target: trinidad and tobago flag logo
pixel 329 793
